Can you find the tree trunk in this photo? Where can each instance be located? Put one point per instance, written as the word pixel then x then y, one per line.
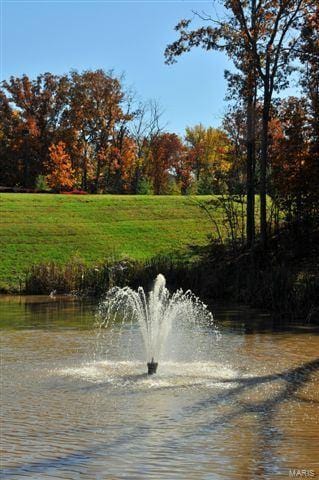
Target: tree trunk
pixel 97 177
pixel 251 141
pixel 250 171
pixel 84 173
pixel 263 167
pixel 26 172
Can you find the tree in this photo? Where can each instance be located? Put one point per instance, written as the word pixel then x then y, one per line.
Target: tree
pixel 183 171
pixel 293 169
pixel 165 152
pixel 124 163
pixel 91 114
pixel 10 153
pixel 95 100
pixel 234 124
pixel 61 172
pixel 209 155
pixel 288 150
pixel 309 57
pixel 226 36
pixel 41 104
pixel 259 38
pixel 145 126
pixel 195 138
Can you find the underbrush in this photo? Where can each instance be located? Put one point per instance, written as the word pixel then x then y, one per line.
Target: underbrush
pixel 284 279
pixel 77 278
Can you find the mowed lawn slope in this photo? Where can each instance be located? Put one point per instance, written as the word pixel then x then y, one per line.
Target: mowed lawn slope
pixel 37 228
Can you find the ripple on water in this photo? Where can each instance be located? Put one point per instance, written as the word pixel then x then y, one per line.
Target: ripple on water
pixel 170 375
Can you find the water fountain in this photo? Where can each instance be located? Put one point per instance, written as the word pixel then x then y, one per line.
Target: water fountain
pixel 155 312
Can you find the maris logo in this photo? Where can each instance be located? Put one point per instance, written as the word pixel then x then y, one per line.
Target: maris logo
pixel 298 473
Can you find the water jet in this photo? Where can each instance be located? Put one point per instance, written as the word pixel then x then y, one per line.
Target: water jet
pixel 155 312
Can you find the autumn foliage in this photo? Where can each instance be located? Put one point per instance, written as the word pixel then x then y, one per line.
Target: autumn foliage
pixel 61 176
pixel 84 131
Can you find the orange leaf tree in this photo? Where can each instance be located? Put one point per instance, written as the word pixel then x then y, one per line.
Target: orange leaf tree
pixel 61 176
pixel 165 152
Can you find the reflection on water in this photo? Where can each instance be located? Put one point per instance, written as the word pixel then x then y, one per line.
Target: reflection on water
pixel 74 406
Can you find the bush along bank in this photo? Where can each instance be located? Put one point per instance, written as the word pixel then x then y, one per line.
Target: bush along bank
pixel 284 278
pixel 279 282
pixel 77 278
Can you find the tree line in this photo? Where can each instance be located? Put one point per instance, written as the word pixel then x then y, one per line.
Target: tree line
pixel 85 131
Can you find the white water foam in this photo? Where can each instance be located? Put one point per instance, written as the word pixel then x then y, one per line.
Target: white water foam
pixel 170 374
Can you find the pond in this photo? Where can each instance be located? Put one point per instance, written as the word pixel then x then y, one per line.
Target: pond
pixel 77 402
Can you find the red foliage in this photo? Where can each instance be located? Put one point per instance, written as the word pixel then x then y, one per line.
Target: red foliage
pixel 165 153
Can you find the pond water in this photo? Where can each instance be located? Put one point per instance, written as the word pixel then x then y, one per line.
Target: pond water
pixel 77 404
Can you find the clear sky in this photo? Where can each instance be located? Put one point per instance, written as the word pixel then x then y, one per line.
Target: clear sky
pixel 127 36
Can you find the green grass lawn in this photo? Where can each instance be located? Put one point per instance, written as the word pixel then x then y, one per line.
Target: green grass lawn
pixel 37 228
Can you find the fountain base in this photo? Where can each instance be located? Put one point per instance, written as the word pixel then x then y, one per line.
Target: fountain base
pixel 151 367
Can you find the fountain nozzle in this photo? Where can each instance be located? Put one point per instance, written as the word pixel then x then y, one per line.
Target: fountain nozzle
pixel 151 367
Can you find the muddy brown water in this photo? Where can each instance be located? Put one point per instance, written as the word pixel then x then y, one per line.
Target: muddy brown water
pixel 76 402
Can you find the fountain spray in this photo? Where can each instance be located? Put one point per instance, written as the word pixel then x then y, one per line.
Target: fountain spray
pixel 155 313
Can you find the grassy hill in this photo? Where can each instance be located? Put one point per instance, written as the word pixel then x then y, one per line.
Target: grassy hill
pixel 35 228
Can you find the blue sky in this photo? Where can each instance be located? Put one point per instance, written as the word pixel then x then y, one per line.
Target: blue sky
pixel 129 37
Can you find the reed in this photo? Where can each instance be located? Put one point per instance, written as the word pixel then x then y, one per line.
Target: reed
pixel 77 278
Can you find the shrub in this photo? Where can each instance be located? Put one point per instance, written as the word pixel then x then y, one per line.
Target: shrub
pixel 41 183
pixel 144 187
